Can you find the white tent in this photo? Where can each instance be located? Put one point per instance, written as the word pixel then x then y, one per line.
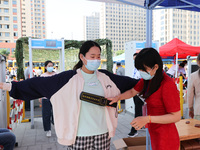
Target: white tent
pixel 119 58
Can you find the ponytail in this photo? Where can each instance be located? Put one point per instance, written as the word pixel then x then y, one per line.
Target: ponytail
pixel 78 65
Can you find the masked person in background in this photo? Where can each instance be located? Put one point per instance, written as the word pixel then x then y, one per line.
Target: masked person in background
pixel 47 114
pixel 138 101
pixel 162 98
pixel 78 124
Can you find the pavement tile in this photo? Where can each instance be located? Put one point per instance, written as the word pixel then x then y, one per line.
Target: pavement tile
pixel 50 146
pixel 41 139
pixel 28 141
pixel 35 147
pixel 21 148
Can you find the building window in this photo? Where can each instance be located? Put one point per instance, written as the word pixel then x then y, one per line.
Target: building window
pixel 15 26
pixel 14 10
pixel 5 2
pixel 15 34
pixel 13 49
pixel 0 33
pixel 0 25
pixel 14 18
pixel 6 18
pixel 6 10
pixel 7 34
pixel 14 2
pixel 6 26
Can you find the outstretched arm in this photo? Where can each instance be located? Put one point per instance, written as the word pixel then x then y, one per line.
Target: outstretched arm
pixel 128 94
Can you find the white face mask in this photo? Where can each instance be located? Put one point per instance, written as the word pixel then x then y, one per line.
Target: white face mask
pixel 145 75
pixel 92 65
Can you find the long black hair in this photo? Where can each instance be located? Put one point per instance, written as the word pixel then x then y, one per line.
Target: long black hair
pixel 149 57
pixel 83 50
pixel 46 63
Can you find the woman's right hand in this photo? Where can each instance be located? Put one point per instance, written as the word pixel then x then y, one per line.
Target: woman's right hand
pixel 1 85
pixel 191 112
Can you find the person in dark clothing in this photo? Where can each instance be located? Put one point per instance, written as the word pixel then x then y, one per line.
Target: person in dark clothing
pixel 7 139
pixel 137 101
pixel 47 113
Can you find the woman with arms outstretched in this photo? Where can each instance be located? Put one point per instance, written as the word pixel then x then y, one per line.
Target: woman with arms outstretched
pixel 80 125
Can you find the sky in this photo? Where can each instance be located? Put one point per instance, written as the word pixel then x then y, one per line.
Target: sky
pixel 64 18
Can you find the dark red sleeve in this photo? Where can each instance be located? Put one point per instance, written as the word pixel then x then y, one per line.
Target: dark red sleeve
pixel 139 86
pixel 170 96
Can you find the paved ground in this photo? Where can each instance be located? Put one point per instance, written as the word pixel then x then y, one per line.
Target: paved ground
pixel 35 139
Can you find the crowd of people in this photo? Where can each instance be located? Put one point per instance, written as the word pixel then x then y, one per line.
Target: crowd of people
pixel 84 125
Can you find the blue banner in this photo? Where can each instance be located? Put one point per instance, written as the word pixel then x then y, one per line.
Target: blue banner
pixel 46 44
pixel 141 45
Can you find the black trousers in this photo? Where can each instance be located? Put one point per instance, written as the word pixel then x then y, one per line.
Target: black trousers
pixel 47 114
pixel 138 109
pixel 27 105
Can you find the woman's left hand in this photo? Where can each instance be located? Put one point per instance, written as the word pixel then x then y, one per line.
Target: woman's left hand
pixel 113 100
pixel 139 122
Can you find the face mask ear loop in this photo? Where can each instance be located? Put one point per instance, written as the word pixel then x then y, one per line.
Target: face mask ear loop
pixel 85 59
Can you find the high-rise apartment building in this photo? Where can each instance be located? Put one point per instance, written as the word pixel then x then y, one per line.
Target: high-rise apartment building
pixel 10 21
pixel 121 23
pixel 33 18
pixel 91 26
pixel 177 23
pixel 21 18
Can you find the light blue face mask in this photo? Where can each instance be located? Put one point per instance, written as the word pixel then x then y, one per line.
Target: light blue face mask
pixel 49 69
pixel 93 65
pixel 145 75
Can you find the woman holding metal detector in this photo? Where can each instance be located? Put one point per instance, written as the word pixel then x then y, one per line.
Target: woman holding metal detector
pixel 162 98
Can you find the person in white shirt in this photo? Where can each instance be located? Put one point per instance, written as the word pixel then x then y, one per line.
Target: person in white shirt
pixel 137 101
pixel 56 69
pixel 172 71
pixel 39 72
pixel 12 73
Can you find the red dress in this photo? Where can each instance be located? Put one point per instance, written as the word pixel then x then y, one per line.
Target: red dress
pixel 164 101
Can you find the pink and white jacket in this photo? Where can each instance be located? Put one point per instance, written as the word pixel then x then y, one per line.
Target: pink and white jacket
pixel 64 90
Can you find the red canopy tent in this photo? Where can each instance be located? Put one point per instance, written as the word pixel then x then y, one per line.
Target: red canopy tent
pixel 177 46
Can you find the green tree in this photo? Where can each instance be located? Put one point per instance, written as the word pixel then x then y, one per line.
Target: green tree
pixel 19 59
pixel 119 52
pixel 4 51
